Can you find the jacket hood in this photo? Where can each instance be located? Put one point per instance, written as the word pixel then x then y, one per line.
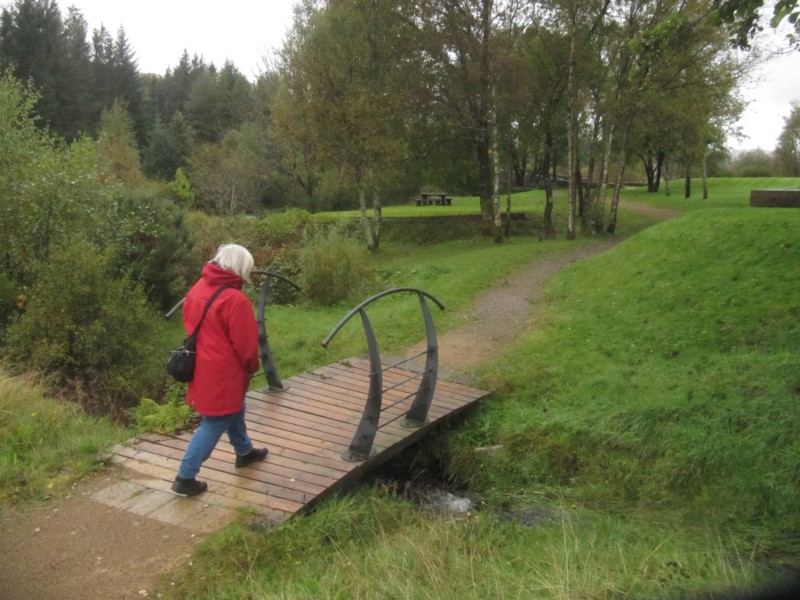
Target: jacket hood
pixel 215 275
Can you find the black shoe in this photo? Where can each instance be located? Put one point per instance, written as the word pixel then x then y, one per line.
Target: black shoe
pixel 188 487
pixel 254 455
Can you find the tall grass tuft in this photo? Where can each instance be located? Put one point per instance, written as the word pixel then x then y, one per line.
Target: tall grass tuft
pixel 332 266
pixel 46 445
pixel 370 545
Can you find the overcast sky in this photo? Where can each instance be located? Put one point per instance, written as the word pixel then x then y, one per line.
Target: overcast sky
pixel 242 31
pixel 245 31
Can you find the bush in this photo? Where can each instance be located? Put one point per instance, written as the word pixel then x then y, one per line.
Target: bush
pixel 46 445
pixel 752 163
pixel 284 262
pixel 8 301
pixel 171 416
pixel 88 330
pixel 282 228
pixel 153 245
pixel 211 232
pixel 332 267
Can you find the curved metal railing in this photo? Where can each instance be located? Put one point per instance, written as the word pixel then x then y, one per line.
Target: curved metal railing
pixel 361 446
pixel 271 372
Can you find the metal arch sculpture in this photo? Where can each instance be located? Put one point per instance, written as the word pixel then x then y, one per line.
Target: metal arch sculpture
pixel 361 446
pixel 271 372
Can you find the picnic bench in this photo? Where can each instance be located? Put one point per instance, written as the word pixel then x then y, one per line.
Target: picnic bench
pixel 434 198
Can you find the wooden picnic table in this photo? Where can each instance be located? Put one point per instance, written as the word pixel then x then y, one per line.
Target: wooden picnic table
pixel 434 198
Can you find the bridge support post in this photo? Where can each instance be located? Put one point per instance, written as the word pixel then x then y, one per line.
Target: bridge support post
pixel 417 415
pixel 270 370
pixel 361 446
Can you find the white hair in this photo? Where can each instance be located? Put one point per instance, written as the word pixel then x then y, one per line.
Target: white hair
pixel 235 258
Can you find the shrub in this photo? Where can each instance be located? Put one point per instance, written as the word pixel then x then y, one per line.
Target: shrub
pixel 153 244
pixel 87 329
pixel 281 228
pixel 332 267
pixel 284 261
pixel 8 301
pixel 211 232
pixel 752 163
pixel 46 445
pixel 173 415
pixel 181 189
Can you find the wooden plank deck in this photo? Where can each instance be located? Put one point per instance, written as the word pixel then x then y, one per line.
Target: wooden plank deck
pixel 306 428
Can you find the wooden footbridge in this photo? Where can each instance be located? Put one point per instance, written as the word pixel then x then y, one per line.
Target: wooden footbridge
pixel 324 430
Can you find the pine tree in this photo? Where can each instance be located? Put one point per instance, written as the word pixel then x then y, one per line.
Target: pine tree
pixel 32 45
pixel 77 81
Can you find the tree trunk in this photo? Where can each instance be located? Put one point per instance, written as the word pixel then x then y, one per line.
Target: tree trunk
pixel 687 183
pixel 705 173
pixel 587 214
pixel 498 223
pixel 487 144
pixel 485 181
pixel 612 217
pixel 659 167
pixel 592 158
pixel 548 229
pixel 377 219
pixel 508 203
pixel 362 203
pixel 649 172
pixel 572 132
pixel 598 215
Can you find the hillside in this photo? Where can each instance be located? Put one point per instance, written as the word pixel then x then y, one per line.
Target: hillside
pixel 648 409
pixel 646 398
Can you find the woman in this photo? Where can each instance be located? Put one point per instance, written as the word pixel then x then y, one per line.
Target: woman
pixel 227 357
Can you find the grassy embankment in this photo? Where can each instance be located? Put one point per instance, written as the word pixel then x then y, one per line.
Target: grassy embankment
pixel 653 413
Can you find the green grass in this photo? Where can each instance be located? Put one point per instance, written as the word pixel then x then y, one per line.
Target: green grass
pixel 528 201
pixel 46 445
pixel 725 192
pixel 654 411
pixel 370 545
pixel 671 385
pixel 453 272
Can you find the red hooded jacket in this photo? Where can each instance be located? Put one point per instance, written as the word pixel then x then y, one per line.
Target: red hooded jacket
pixel 227 343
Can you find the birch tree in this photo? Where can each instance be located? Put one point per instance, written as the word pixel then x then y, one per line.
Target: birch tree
pixel 787 154
pixel 346 64
pixel 459 46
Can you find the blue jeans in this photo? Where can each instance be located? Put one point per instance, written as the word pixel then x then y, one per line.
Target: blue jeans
pixel 206 437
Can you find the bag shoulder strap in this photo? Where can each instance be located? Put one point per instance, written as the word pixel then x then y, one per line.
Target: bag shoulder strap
pixel 220 289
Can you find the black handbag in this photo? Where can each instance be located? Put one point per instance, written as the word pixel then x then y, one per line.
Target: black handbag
pixel 180 362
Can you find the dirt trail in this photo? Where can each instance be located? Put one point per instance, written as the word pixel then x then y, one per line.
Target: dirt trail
pixel 503 312
pixel 78 547
pixel 90 546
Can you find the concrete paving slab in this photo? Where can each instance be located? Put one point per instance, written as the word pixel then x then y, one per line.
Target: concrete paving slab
pixel 147 502
pixel 117 494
